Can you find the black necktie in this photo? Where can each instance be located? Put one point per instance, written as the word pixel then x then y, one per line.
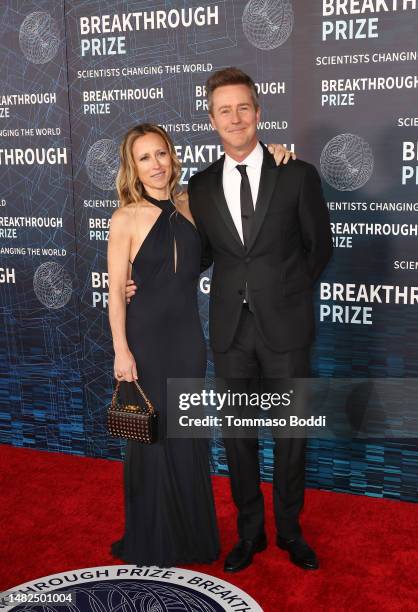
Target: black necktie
pixel 247 207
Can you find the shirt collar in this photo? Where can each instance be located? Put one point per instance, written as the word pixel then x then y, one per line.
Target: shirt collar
pixel 253 160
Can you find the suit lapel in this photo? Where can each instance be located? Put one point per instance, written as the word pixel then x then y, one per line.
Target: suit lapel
pixel 220 201
pixel 270 174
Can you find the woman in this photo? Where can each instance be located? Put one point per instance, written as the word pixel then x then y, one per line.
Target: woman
pixel 169 508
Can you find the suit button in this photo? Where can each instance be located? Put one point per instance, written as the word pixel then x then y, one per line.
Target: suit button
pixel 247 259
pixel 241 291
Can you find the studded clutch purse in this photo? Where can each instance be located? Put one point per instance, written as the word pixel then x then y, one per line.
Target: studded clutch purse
pixel 132 421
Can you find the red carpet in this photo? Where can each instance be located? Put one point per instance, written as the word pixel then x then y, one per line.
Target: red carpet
pixel 60 512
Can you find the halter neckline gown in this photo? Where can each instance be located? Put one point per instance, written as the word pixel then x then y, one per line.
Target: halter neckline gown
pixel 169 508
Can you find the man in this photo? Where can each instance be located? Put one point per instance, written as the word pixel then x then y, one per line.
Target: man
pixel 266 229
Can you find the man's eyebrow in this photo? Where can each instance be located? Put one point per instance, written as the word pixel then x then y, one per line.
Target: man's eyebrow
pixel 230 105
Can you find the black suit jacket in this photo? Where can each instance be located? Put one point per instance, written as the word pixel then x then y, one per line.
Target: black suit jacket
pixel 290 245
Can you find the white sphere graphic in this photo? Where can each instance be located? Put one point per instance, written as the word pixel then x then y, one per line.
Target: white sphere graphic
pixel 347 162
pixel 52 285
pixel 39 37
pixel 102 163
pixel 267 24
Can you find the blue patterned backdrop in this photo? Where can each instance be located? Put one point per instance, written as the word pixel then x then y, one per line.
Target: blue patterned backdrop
pixel 69 90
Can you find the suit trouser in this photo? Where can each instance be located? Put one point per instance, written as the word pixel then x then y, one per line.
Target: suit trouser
pixel 246 362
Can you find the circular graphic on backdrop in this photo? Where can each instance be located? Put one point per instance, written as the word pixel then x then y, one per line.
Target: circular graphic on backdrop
pixel 267 24
pixel 347 162
pixel 39 37
pixel 102 163
pixel 129 588
pixel 52 285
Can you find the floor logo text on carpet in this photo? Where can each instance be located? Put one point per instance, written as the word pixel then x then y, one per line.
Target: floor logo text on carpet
pixel 125 588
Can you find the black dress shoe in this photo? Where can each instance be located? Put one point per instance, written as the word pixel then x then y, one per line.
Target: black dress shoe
pixel 242 554
pixel 300 553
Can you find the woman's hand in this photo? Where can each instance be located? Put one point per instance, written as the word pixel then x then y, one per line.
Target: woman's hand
pixel 281 154
pixel 125 366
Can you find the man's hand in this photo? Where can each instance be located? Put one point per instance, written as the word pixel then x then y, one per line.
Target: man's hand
pixel 281 154
pixel 130 289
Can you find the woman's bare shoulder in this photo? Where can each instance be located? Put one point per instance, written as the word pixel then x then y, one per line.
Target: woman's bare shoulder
pixel 182 204
pixel 123 217
pixel 182 200
pixel 126 212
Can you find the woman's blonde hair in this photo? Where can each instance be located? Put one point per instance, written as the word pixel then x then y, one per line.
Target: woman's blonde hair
pixel 129 187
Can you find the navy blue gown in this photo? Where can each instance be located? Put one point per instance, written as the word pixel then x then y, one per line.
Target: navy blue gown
pixel 169 509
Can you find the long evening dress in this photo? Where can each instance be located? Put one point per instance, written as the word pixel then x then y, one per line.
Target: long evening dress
pixel 169 509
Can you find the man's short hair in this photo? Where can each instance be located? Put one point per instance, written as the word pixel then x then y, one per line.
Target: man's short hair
pixel 229 76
